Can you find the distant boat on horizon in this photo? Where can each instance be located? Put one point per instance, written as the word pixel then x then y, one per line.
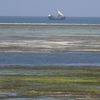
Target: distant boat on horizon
pixel 59 16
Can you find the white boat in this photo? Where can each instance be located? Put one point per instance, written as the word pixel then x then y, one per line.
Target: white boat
pixel 59 16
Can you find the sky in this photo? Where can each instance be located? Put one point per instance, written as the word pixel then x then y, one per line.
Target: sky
pixel 70 8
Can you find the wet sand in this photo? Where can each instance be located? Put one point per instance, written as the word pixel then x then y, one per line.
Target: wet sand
pixel 49 37
pixel 52 44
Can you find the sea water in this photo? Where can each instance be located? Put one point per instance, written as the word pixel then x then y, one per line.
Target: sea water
pixel 40 41
pixel 68 20
pixel 68 58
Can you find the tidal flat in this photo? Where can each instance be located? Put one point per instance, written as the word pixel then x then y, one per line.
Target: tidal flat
pixel 27 37
pixel 50 81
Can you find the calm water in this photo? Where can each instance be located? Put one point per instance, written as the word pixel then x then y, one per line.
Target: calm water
pixel 69 20
pixel 68 58
pixel 40 41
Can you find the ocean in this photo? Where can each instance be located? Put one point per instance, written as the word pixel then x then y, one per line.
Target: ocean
pixel 68 20
pixel 40 41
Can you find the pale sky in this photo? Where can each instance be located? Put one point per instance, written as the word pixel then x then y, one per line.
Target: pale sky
pixel 70 8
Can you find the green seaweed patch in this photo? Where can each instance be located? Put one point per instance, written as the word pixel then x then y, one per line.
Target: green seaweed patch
pixel 65 81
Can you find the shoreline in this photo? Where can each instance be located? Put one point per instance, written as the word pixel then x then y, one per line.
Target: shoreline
pixel 49 24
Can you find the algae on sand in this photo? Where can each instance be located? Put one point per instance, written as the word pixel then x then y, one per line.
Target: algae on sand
pixel 50 81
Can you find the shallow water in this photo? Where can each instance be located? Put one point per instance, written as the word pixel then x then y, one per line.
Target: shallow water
pixel 49 38
pixel 67 58
pixel 49 44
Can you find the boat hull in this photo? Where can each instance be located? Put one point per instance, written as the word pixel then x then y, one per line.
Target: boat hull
pixel 56 18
